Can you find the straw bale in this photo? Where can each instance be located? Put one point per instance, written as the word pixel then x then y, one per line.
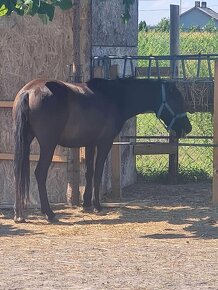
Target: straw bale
pixel 6 136
pixel 57 183
pixel 30 49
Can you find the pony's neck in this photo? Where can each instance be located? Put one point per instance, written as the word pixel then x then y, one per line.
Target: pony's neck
pixel 137 103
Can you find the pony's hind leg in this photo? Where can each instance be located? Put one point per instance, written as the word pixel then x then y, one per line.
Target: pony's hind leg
pixel 87 197
pixel 46 154
pixel 19 196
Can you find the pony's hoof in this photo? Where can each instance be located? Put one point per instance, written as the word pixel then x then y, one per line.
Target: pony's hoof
pixel 19 220
pixel 87 209
pixel 51 218
pixel 98 209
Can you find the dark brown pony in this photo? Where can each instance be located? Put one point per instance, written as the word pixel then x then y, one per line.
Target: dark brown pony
pixel 86 115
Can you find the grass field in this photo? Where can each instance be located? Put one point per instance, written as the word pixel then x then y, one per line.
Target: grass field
pixel 195 163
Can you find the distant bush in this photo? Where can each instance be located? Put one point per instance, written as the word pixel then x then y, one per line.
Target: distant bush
pixel 210 26
pixel 163 25
pixel 143 26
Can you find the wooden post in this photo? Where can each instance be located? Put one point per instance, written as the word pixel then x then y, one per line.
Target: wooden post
pixel 73 169
pixel 81 72
pixel 116 170
pixel 174 50
pixel 85 38
pixel 174 29
pixel 215 137
pixel 115 155
pixel 73 177
pixel 76 42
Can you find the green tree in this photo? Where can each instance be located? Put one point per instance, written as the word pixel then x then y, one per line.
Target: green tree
pixel 143 26
pixel 194 28
pixel 45 8
pixel 210 26
pixel 163 25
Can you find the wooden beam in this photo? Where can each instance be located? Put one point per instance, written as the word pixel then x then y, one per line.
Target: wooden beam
pixel 6 104
pixel 34 157
pixel 215 138
pixel 116 170
pixel 152 149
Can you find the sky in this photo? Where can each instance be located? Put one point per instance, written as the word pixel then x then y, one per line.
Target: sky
pixel 152 11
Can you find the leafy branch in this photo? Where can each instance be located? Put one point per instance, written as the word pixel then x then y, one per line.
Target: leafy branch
pixel 45 8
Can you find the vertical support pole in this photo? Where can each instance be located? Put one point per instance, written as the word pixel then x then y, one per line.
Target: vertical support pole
pixel 73 177
pixel 115 155
pixel 85 38
pixel 81 70
pixel 76 41
pixel 215 138
pixel 174 29
pixel 116 170
pixel 174 50
pixel 73 170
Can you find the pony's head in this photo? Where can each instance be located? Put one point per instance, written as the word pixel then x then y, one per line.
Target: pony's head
pixel 171 110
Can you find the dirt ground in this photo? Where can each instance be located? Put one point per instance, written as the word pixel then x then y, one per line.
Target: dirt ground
pixel 162 237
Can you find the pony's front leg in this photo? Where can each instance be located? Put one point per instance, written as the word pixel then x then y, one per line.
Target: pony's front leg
pixel 102 153
pixel 87 197
pixel 18 210
pixel 41 172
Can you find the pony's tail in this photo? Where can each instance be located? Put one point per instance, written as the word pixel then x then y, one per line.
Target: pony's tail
pixel 22 149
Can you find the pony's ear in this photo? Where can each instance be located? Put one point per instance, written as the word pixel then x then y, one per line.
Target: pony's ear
pixel 56 88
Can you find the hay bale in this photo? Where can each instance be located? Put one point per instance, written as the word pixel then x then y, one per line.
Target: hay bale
pixel 30 49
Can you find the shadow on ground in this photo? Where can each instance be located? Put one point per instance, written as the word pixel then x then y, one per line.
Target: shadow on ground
pixel 187 206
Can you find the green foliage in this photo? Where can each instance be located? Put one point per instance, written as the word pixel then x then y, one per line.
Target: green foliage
pixel 163 25
pixel 44 8
pixel 158 43
pixel 194 28
pixel 210 26
pixel 143 26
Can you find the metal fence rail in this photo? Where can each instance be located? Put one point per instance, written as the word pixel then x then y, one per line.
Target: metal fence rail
pixel 177 64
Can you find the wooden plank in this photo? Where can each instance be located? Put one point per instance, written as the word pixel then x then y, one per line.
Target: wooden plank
pixel 98 72
pixel 116 170
pixel 6 104
pixel 215 138
pixel 153 149
pixel 113 71
pixel 34 157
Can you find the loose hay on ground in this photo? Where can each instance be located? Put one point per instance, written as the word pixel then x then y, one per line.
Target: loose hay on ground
pixel 168 241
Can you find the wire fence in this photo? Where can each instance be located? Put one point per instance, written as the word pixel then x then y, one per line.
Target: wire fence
pixel 195 162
